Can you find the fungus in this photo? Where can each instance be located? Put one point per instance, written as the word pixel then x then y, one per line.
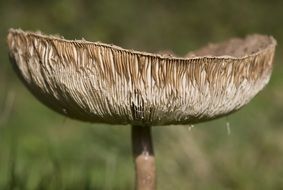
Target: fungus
pixel 103 83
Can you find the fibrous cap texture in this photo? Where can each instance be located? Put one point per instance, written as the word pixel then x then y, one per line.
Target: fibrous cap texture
pixel 97 82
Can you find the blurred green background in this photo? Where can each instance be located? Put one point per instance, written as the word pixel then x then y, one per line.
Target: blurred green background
pixel 40 149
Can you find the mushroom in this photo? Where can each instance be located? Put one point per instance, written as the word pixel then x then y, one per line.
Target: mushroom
pixel 103 83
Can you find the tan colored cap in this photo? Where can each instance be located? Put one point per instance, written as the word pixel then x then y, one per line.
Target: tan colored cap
pixel 98 82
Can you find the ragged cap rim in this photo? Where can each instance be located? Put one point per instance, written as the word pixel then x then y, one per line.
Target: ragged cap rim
pixel 38 34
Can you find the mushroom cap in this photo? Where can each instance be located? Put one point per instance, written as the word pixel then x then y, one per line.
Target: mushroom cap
pixel 103 83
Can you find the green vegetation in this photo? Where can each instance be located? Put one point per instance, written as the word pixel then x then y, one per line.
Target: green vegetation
pixel 40 149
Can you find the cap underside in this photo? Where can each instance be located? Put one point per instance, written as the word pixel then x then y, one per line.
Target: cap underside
pixel 98 82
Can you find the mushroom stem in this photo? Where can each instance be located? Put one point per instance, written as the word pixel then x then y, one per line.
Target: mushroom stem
pixel 144 158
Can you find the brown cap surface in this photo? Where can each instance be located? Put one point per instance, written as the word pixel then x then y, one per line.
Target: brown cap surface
pixel 98 82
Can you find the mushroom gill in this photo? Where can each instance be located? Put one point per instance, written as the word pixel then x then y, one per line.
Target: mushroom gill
pixel 98 82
